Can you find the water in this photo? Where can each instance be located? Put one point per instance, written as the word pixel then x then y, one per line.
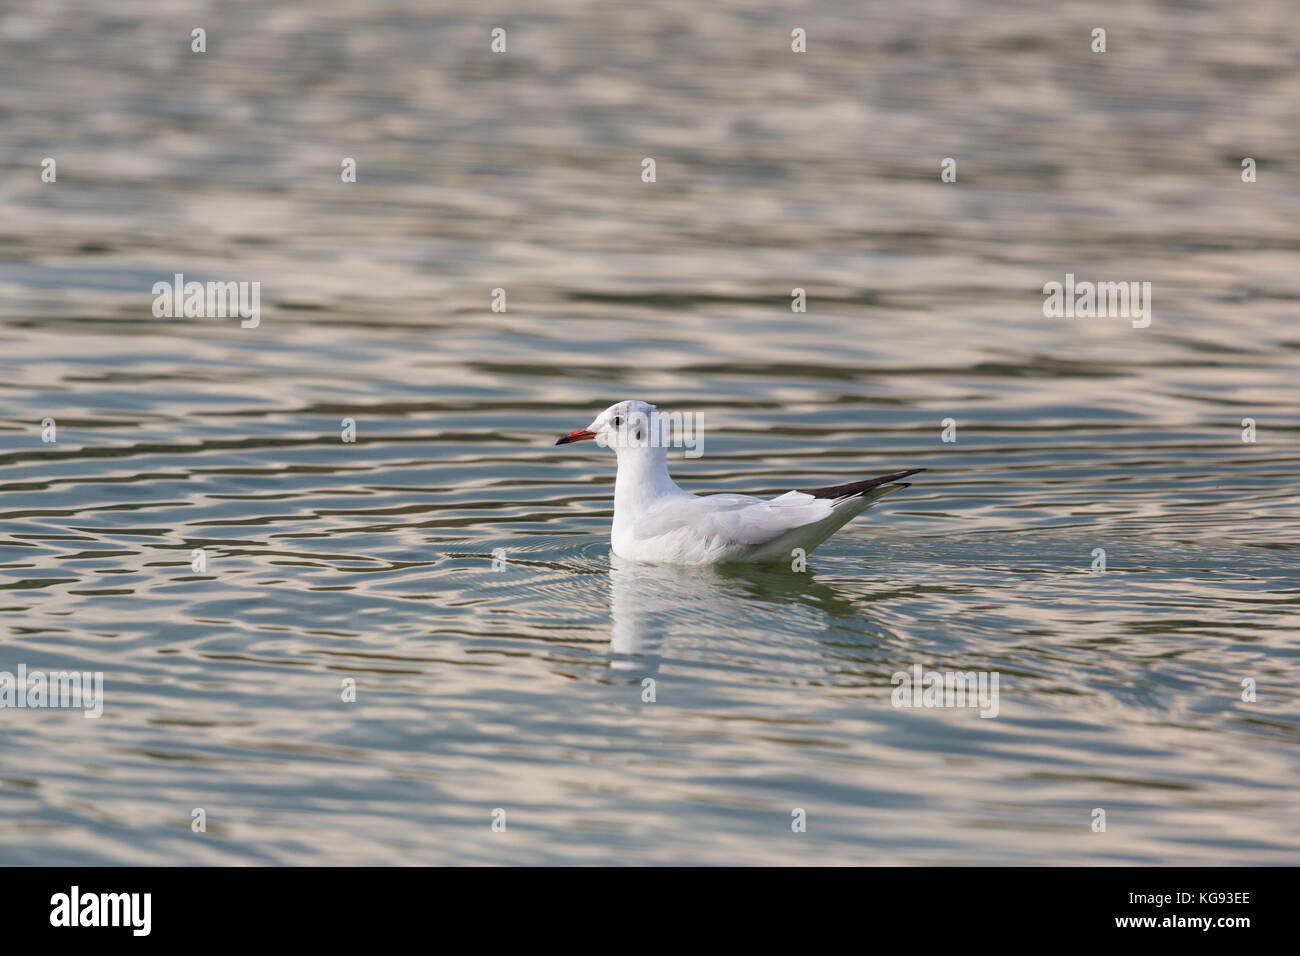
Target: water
pixel 521 688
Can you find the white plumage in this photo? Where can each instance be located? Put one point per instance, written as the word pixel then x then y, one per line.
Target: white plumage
pixel 656 521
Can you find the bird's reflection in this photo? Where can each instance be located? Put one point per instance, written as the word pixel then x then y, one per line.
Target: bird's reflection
pixel 650 601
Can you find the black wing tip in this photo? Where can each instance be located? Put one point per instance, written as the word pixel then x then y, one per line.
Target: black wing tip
pixel 854 489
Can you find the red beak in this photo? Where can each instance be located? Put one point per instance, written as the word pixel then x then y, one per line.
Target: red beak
pixel 580 435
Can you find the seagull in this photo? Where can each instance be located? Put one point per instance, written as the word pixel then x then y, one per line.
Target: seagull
pixel 657 522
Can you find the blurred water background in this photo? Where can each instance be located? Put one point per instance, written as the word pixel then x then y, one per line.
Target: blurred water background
pixel 521 688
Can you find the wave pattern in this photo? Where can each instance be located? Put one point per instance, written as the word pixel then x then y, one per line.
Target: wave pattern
pixel 517 682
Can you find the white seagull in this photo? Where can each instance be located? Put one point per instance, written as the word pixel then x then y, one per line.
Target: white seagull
pixel 655 521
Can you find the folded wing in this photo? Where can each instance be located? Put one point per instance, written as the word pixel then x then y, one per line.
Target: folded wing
pixel 736 519
pixel 798 517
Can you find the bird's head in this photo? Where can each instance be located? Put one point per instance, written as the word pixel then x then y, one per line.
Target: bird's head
pixel 626 425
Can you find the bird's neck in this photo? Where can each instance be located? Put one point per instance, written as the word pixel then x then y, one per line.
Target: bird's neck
pixel 642 479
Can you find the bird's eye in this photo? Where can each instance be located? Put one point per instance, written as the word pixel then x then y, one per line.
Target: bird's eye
pixel 618 421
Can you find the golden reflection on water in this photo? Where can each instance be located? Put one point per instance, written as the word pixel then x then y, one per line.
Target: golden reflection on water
pixel 523 687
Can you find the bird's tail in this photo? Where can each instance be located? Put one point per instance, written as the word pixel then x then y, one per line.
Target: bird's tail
pixel 863 489
pixel 847 502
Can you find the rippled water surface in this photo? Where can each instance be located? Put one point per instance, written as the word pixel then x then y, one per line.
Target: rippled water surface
pixel 521 687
